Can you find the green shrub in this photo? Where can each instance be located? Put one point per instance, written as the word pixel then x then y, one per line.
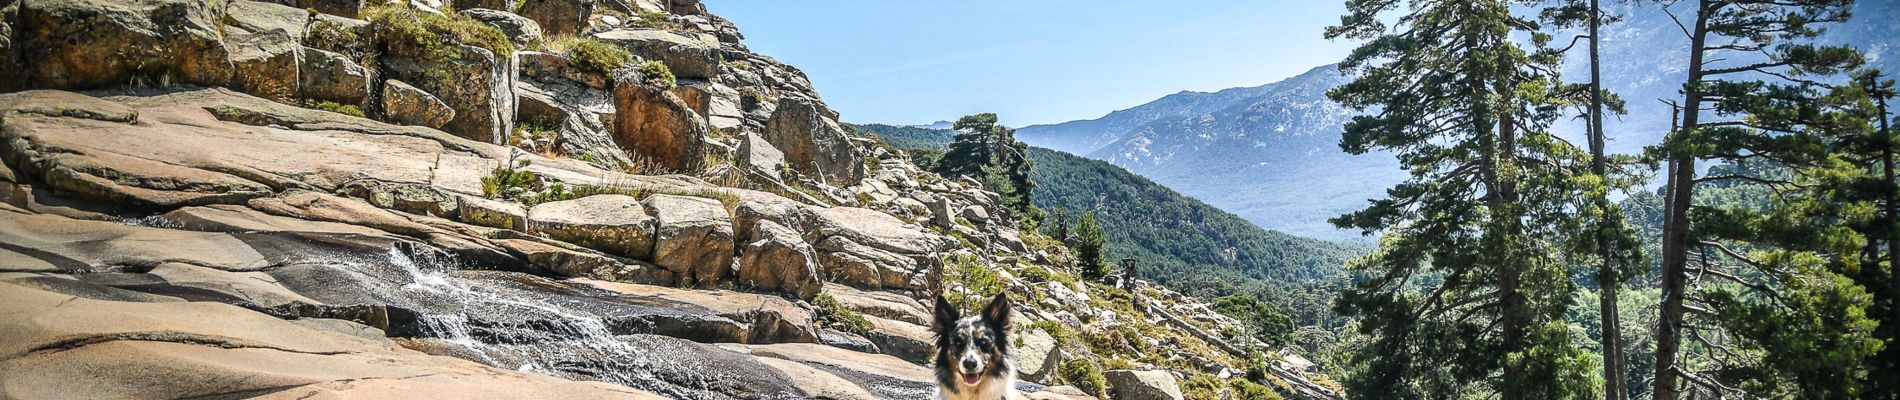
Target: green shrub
pixel 555 192
pixel 979 282
pixel 656 73
pixel 593 54
pixel 652 20
pixel 1062 333
pixel 429 34
pixel 1202 387
pixel 1083 374
pixel 834 314
pixel 510 182
pixel 334 107
pixel 328 35
pixel 1247 390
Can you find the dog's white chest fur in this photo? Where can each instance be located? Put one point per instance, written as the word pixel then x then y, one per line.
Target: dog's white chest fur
pixel 990 389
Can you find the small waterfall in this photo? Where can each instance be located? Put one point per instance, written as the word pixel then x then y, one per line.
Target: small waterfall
pixel 515 329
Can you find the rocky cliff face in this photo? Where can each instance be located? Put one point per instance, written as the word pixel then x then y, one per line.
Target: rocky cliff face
pixel 208 198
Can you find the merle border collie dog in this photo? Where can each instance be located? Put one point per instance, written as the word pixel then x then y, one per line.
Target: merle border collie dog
pixel 973 352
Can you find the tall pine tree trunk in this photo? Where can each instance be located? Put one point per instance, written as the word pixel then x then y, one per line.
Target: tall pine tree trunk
pixel 1510 274
pixel 1608 281
pixel 1676 239
pixel 1893 235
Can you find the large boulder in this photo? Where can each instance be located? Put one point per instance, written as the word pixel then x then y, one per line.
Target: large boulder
pixel 409 105
pixel 577 113
pixel 85 44
pixel 775 259
pixel 888 305
pixel 656 125
pixel 911 342
pixel 813 143
pixel 1143 385
pixel 330 76
pixel 687 57
pixel 612 223
pixel 758 154
pixel 693 238
pixel 559 17
pixel 1035 354
pixel 267 64
pixel 520 30
pixel 852 263
pixel 879 230
pixel 476 81
pixel 246 16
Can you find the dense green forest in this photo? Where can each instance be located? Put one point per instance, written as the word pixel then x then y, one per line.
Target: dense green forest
pixel 1179 241
pixel 1762 268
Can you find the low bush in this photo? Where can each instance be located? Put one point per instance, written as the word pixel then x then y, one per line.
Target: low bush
pixel 334 107
pixel 656 73
pixel 592 54
pixel 1085 375
pixel 829 312
pixel 402 27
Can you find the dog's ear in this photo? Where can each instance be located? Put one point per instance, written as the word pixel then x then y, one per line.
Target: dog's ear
pixel 997 313
pixel 947 315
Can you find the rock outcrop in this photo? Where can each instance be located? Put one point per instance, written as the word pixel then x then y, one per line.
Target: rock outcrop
pixel 612 223
pixel 693 239
pixel 813 142
pixel 656 125
pixel 86 44
pixel 1143 385
pixel 169 175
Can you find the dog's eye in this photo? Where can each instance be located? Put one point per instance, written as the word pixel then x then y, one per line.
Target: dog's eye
pixel 984 342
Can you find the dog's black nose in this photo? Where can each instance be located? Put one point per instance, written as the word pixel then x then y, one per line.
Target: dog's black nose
pixel 969 365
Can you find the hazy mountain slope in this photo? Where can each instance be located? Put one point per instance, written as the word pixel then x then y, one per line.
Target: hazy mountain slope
pixel 1270 153
pixel 1190 245
pixel 1082 137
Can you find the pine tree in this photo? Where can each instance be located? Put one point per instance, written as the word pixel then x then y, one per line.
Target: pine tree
pixel 1088 249
pixel 970 150
pixel 988 151
pixel 1782 288
pixel 1466 295
pixel 1602 235
pixel 1060 229
pixel 1884 368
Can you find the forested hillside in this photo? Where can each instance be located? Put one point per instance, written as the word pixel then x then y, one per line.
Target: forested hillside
pixel 1188 245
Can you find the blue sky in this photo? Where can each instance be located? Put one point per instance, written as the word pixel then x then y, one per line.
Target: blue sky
pixel 1031 61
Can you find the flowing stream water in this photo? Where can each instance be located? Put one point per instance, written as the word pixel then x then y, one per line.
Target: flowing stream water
pixel 489 319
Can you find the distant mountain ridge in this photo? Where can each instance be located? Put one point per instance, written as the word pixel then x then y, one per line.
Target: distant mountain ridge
pixel 1270 153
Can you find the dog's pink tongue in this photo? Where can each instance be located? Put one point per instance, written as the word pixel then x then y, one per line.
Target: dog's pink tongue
pixel 971 380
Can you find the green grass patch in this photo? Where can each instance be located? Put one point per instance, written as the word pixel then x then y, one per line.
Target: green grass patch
pixel 832 313
pixel 652 20
pixel 592 54
pixel 430 35
pixel 335 107
pixel 978 283
pixel 1085 375
pixel 656 73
